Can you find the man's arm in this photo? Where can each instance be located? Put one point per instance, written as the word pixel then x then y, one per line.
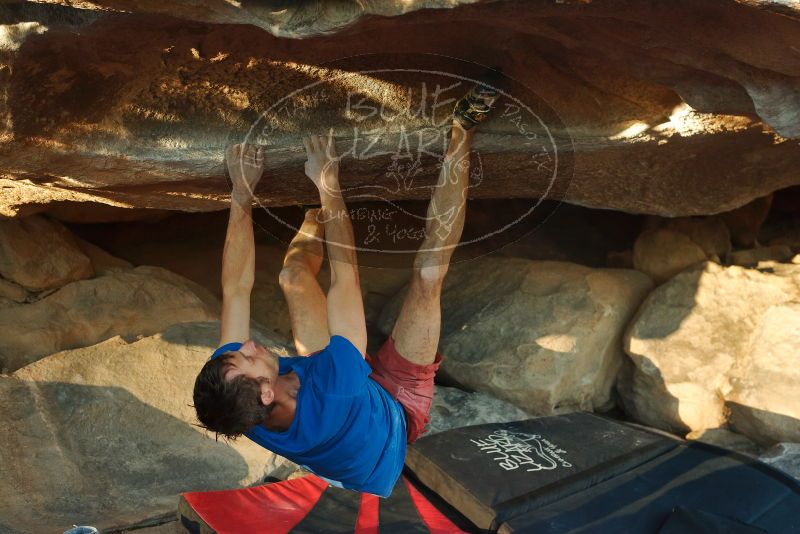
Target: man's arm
pixel 245 166
pixel 345 305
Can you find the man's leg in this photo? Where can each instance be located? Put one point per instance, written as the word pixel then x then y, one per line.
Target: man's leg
pixel 416 332
pixel 298 280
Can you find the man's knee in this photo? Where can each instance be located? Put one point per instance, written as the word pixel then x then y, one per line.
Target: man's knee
pixel 429 279
pixel 293 276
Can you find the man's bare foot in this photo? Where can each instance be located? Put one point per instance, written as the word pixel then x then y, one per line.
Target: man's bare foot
pixel 306 246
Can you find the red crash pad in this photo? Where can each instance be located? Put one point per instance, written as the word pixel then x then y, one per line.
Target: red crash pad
pixel 309 504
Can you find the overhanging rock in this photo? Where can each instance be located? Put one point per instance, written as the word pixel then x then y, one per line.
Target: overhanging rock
pixel 638 106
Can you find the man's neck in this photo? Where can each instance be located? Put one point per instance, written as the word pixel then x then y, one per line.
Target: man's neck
pixel 285 403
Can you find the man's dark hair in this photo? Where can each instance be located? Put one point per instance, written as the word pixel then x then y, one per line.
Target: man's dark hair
pixel 231 407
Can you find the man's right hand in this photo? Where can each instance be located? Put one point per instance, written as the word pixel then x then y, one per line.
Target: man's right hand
pixel 322 166
pixel 245 166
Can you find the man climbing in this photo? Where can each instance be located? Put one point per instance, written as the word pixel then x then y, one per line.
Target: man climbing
pixel 344 418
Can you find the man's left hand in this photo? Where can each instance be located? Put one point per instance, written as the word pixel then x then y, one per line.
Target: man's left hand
pixel 245 166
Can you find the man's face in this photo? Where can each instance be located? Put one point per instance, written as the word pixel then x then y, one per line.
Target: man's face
pixel 254 361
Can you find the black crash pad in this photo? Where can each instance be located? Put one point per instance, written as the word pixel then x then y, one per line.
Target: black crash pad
pixel 585 473
pixel 722 487
pixel 684 520
pixel 491 473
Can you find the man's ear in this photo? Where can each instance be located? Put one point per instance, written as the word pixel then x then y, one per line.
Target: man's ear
pixel 267 393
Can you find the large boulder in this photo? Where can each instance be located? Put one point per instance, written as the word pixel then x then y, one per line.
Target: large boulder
pixel 764 400
pixel 105 435
pixel 664 253
pixel 193 250
pixel 752 256
pixel 545 336
pixel 132 302
pixel 102 261
pixel 668 246
pixel 745 222
pixel 39 253
pixel 717 346
pixel 455 408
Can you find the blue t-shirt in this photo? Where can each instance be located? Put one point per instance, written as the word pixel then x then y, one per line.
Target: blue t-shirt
pixel 346 428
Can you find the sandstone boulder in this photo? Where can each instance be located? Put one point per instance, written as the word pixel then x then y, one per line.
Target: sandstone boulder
pixel 789 237
pixel 195 255
pixel 102 261
pixel 454 408
pixel 40 253
pixel 745 222
pixel 662 254
pixel 140 301
pixel 105 435
pixel 710 233
pixel 764 400
pixel 668 246
pixel 751 257
pixel 717 346
pixel 545 336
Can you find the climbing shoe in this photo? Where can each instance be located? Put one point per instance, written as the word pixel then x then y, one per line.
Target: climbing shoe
pixel 474 107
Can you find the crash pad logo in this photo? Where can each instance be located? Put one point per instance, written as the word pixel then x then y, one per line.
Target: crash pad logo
pixel 391 115
pixel 519 450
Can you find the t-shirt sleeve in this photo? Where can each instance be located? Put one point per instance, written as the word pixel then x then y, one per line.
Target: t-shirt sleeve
pixel 339 369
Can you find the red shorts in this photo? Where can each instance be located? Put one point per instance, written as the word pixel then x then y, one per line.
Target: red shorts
pixel 410 383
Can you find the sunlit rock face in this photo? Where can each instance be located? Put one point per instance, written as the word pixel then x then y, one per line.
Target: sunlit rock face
pixel 108 437
pixel 717 346
pixel 680 109
pixel 544 336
